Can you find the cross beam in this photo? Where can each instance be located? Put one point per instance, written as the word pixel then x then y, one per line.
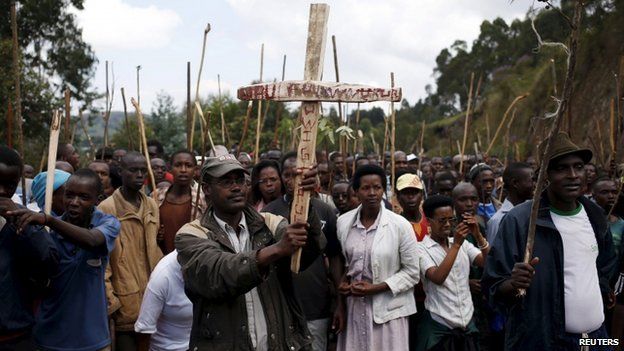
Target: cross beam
pixel 311 92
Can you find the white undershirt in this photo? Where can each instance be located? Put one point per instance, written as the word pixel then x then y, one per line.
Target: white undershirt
pixel 583 300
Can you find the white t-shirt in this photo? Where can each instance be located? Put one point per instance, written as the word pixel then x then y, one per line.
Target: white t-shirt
pixel 166 312
pixel 583 300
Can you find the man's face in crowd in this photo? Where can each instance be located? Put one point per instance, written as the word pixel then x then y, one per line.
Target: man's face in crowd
pixel 79 199
pixel 102 170
pixel 133 172
pixel 465 200
pixel 354 200
pixel 437 164
pixel 444 187
pixel 118 155
pixel 152 151
pixel 400 161
pixel 72 156
pixel 288 175
pixel 373 159
pixel 269 184
pixel 323 173
pixel 159 167
pixel 29 171
pixel 244 160
pixel 9 179
pixel 427 171
pixel 525 184
pixel 566 175
pixel 442 223
pixel 410 199
pixel 340 195
pixel 339 165
pixel 183 169
pixel 605 193
pixel 590 173
pixel 274 155
pixel 484 183
pixel 228 193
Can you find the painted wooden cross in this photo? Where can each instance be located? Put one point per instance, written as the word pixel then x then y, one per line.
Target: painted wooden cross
pixel 311 92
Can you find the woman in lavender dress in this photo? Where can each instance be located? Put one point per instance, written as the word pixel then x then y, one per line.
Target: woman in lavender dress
pixel 381 270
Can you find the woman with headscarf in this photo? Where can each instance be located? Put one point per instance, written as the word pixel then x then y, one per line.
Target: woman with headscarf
pixel 266 184
pixel 38 189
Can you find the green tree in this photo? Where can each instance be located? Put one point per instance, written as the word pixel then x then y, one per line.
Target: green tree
pixel 169 126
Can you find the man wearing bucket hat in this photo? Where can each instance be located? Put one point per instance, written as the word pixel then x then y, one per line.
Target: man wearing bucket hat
pixel 235 263
pixel 569 288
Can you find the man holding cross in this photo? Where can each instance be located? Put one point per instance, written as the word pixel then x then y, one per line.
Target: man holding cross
pixel 235 264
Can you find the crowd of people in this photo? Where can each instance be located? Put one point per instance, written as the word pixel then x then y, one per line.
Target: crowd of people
pixel 428 255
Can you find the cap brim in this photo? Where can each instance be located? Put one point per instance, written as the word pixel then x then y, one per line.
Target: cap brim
pixel 585 154
pixel 227 169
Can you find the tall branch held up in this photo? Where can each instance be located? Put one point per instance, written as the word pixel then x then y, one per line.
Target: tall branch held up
pixel 18 93
pixel 201 66
pixel 556 123
pixel 466 124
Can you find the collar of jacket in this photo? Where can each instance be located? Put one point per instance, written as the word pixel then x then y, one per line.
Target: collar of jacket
pixel 594 213
pixel 255 223
pixel 125 210
pixel 383 216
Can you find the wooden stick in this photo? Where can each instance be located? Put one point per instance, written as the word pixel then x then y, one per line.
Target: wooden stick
pixel 203 155
pixel 141 124
pixel 458 147
pixel 189 107
pixel 55 127
pixel 86 133
pixel 138 68
pixel 259 122
pixel 18 93
pixel 127 122
pixel 245 127
pixel 487 128
pixel 9 121
pixel 43 159
pixel 392 138
pixel 107 112
pixel 201 66
pixel 502 122
pixel 359 142
pixel 206 127
pixel 600 143
pixel 278 114
pixel 568 87
pixel 466 124
pixel 221 112
pixel 67 114
pixel 385 143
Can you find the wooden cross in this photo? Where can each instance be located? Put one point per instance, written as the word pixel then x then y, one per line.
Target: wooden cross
pixel 311 92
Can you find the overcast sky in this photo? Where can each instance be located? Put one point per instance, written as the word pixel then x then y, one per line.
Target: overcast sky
pixel 373 38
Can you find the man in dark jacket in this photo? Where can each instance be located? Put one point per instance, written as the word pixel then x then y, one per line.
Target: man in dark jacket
pixel 567 291
pixel 27 257
pixel 236 267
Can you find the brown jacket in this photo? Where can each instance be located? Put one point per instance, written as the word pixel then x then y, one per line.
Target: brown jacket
pixel 132 260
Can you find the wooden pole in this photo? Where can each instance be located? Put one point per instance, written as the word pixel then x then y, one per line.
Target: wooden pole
pixel 18 93
pixel 392 138
pixel 223 140
pixel 107 111
pixel 502 122
pixel 9 121
pixel 43 159
pixel 279 110
pixel 201 66
pixel 385 142
pixel 259 122
pixel 205 122
pixel 342 140
pixel 245 127
pixel 67 115
pixel 55 127
pixel 127 122
pixel 487 128
pixel 568 87
pixel 466 124
pixel 189 126
pixel 141 124
pixel 86 132
pixel 138 68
